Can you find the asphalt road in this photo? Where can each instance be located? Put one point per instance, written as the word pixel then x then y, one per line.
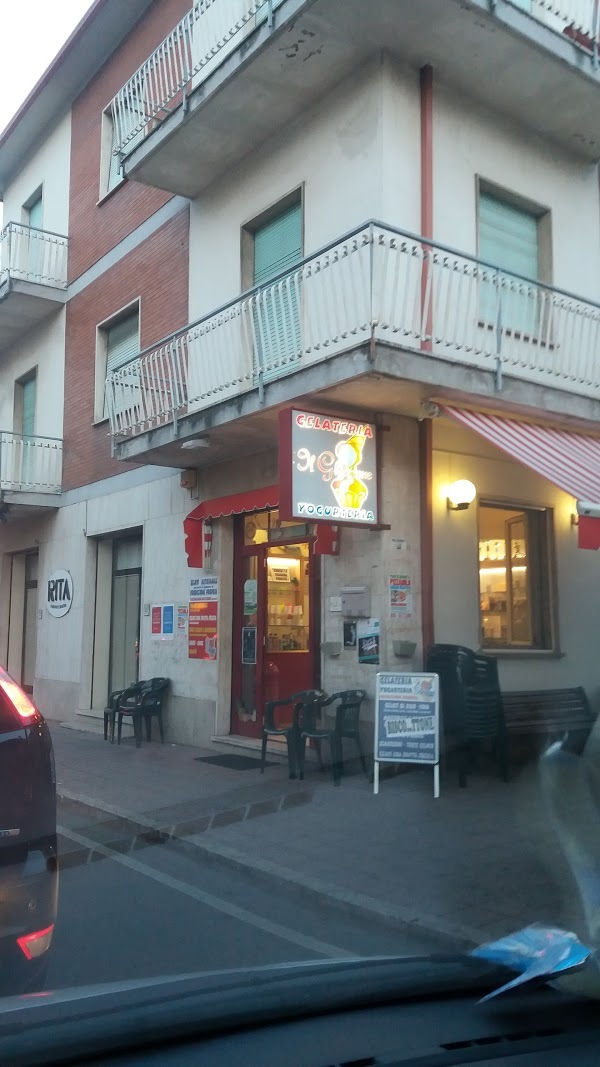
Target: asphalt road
pixel 137 914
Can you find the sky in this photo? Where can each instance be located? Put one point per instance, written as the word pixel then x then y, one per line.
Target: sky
pixel 32 33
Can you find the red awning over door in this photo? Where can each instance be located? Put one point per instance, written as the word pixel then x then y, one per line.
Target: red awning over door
pixel 221 507
pixel 241 504
pixel 570 461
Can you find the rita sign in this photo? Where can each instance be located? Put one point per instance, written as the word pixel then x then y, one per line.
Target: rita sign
pixel 59 596
pixel 327 469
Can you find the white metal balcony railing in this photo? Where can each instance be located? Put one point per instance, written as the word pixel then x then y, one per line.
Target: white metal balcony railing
pixel 32 255
pixel 30 464
pixel 206 35
pixel 214 29
pixel 376 283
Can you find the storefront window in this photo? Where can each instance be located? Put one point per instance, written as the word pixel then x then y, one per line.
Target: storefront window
pixel 514 577
pixel 288 598
pixel 263 526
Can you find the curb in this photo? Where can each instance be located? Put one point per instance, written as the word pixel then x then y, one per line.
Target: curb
pixel 151 832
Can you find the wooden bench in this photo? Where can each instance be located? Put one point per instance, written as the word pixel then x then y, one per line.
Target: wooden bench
pixel 549 711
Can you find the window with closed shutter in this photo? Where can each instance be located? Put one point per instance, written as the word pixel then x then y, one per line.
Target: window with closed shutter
pixel 509 239
pixel 277 250
pixel 122 345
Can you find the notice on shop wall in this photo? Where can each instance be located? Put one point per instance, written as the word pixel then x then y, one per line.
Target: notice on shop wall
pixel 205 587
pixel 183 612
pixel 162 622
pixel 202 629
pixel 401 596
pixel 367 632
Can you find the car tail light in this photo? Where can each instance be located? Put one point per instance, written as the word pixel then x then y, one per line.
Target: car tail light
pixel 25 708
pixel 35 944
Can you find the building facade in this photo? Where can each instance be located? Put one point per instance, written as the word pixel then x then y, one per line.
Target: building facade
pixel 289 281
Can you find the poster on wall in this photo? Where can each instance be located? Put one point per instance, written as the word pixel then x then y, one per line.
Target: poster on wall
pixel 401 597
pixel 162 624
pixel 250 596
pixel 202 629
pixel 205 587
pixel 182 620
pixel 350 634
pixel 248 644
pixel 368 640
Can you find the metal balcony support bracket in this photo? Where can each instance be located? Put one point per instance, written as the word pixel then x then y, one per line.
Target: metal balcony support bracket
pixel 270 14
pixel 498 372
pixel 372 321
pixel 261 387
pixel 185 102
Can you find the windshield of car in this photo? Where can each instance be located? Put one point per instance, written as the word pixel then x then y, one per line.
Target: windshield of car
pixel 299 484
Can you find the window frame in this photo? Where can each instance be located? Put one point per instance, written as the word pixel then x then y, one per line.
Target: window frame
pixel 540 212
pixel 249 229
pixel 546 602
pixel 102 330
pixel 107 134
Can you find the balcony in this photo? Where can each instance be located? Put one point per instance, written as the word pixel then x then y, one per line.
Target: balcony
pixel 33 278
pixel 377 304
pixel 30 470
pixel 234 72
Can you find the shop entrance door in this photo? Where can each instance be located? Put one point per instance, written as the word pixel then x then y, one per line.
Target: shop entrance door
pixel 275 621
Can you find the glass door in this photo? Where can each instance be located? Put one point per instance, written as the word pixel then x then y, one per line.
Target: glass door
pixel 249 698
pixel 274 638
pixel 125 614
pixel 30 622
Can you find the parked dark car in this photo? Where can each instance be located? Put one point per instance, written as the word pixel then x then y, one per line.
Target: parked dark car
pixel 28 858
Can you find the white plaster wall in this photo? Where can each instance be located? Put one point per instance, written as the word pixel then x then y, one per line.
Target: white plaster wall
pixel 470 141
pixel 43 349
pixel 49 167
pixel 368 558
pixel 460 454
pixel 59 539
pixel 351 169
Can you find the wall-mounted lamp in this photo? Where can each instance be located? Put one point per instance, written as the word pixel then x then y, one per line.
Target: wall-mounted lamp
pixel 461 494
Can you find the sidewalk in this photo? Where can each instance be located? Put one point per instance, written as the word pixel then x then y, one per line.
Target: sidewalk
pixel 476 863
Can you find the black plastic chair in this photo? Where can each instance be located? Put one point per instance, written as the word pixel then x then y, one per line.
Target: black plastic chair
pixel 128 705
pixel 152 704
pixel 347 724
pixel 144 700
pixel 471 704
pixel 110 713
pixel 310 711
pixel 289 730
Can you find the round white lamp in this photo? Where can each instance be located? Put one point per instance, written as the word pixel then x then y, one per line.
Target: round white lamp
pixel 461 494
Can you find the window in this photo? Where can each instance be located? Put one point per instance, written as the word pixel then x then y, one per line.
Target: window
pixel 125 126
pixel 118 344
pixel 31 242
pixel 515 577
pixel 271 246
pixel 110 175
pixel 515 238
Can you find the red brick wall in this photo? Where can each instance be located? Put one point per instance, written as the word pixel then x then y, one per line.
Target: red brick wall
pixel 95 228
pixel 157 273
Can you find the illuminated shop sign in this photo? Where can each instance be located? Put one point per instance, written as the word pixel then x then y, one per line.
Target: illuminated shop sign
pixel 327 469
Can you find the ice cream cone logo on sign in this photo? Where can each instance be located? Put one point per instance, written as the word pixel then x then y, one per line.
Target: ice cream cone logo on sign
pixel 348 487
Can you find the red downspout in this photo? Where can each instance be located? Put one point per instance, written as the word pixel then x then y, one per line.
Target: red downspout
pixel 426 81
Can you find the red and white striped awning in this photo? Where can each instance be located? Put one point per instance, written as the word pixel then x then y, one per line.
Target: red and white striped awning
pixel 569 460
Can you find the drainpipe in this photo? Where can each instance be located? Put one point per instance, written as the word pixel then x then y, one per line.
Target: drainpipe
pixel 425 426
